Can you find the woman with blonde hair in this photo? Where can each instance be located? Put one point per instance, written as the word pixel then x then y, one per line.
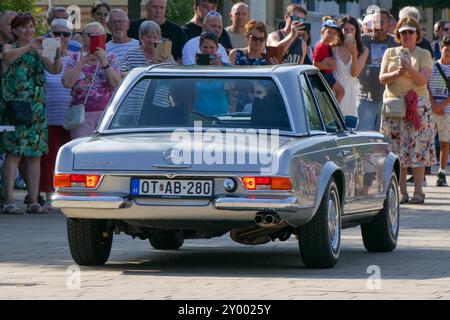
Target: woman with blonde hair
pixel 405 71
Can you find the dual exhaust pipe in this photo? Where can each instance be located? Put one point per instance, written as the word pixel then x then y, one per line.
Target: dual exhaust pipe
pixel 267 219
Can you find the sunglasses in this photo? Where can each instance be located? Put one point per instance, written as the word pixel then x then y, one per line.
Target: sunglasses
pixel 295 18
pixel 407 32
pixel 256 39
pixel 65 34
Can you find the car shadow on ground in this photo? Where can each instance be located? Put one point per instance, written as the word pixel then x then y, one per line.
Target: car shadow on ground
pixel 354 263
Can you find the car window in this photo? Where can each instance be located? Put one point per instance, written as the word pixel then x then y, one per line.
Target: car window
pixel 310 106
pixel 331 118
pixel 215 102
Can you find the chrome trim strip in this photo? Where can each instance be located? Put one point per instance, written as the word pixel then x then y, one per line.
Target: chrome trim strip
pixel 164 166
pixel 260 204
pixel 91 202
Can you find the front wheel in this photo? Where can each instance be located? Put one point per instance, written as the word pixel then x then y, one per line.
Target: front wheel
pixel 381 233
pixel 90 241
pixel 320 238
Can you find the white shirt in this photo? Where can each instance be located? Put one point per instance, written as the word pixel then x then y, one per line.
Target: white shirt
pixel 119 49
pixel 192 47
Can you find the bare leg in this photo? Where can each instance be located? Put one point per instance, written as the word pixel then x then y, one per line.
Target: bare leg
pixel 403 174
pixel 339 91
pixel 9 176
pixel 418 174
pixel 33 168
pixel 444 155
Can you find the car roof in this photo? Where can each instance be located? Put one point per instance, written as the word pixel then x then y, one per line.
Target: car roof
pixel 261 71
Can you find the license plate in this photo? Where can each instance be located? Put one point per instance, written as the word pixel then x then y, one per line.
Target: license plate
pixel 171 188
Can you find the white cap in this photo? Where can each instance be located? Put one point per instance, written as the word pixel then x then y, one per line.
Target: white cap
pixel 407 27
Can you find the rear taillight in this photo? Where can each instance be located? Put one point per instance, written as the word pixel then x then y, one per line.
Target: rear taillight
pixel 267 183
pixel 76 181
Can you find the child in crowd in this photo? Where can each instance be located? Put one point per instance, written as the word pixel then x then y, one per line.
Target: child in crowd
pixel 323 56
pixel 209 45
pixel 211 98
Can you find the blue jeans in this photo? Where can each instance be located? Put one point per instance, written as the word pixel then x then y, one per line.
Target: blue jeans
pixel 369 115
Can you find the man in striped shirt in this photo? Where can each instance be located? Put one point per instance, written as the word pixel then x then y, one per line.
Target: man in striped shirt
pixel 119 24
pixel 438 86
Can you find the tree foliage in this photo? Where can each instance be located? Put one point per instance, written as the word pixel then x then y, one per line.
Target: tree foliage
pixel 180 11
pixel 26 6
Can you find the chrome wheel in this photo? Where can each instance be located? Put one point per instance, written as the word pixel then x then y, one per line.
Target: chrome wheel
pixel 334 224
pixel 393 209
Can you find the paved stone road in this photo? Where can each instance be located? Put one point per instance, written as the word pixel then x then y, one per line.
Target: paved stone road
pixel 34 262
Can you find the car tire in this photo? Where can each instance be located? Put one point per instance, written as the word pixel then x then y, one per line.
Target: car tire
pixel 381 233
pixel 320 239
pixel 90 241
pixel 166 239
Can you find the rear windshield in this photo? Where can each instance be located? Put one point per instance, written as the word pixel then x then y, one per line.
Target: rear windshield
pixel 216 102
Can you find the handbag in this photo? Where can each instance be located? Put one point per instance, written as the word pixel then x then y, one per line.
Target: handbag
pixel 76 115
pixel 19 112
pixel 394 107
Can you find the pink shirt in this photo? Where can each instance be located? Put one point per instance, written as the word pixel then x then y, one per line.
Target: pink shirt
pixel 101 90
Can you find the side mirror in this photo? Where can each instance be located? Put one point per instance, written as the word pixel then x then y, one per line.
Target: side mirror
pixel 351 122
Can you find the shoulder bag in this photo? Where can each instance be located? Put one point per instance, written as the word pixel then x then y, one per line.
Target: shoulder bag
pixel 75 115
pixel 19 111
pixel 394 107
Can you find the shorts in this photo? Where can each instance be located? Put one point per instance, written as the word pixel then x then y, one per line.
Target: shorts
pixel 329 78
pixel 443 126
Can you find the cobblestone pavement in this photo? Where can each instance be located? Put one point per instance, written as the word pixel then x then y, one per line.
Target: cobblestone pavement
pixel 34 262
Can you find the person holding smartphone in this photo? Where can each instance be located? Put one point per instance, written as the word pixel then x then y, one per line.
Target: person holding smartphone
pixel 211 98
pixel 351 56
pixel 91 66
pixel 406 76
pixel 22 84
pixel 294 47
pixel 253 54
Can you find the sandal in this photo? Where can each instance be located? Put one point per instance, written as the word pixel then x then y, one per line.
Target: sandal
pixel 35 208
pixel 404 199
pixel 419 198
pixel 11 208
pixel 47 207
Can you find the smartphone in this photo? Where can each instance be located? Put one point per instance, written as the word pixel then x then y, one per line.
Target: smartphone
pixel 349 37
pixel 203 59
pixel 97 41
pixel 163 48
pixel 404 54
pixel 304 26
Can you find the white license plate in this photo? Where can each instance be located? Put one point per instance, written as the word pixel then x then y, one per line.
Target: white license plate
pixel 171 188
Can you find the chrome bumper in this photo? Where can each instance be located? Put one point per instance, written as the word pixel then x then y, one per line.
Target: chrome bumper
pixel 257 204
pixel 90 202
pixel 64 201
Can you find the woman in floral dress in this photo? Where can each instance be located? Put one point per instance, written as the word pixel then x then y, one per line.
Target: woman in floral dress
pixel 23 79
pixel 407 76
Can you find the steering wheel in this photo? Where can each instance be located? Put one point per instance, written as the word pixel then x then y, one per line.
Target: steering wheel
pixel 211 119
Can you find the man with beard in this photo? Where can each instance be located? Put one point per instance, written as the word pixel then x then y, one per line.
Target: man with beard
pixel 118 23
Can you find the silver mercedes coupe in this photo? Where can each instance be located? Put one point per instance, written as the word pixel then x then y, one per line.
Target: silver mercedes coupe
pixel 261 153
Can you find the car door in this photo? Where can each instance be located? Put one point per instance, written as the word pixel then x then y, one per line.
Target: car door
pixel 345 154
pixel 361 157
